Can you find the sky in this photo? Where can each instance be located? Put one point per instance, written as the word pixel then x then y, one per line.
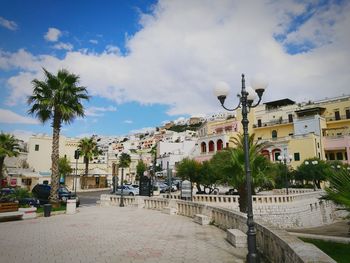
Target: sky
pixel 148 62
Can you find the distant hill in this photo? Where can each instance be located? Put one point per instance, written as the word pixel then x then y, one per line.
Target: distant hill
pixel 181 128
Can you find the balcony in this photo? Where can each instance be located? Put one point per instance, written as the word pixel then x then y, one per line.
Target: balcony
pixel 273 123
pixel 336 142
pixel 338 118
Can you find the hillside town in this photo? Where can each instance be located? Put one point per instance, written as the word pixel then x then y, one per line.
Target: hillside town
pixel 299 131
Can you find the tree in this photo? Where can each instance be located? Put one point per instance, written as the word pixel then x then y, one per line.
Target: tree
pixel 64 167
pixel 57 98
pixel 230 164
pixel 124 161
pixel 338 191
pixel 8 148
pixel 188 169
pixel 313 169
pixel 89 149
pixel 140 169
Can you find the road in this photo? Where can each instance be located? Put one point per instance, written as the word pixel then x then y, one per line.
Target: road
pixel 90 198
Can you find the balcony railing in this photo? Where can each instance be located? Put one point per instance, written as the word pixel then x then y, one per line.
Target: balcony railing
pixel 272 123
pixel 339 118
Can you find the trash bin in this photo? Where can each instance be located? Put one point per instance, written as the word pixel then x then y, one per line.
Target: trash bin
pixel 47 210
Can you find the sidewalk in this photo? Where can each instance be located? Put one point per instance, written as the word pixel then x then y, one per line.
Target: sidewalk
pixel 114 234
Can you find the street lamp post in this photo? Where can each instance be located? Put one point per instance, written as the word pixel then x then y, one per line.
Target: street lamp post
pixel 121 190
pixel 76 157
pixel 314 162
pixel 245 102
pixel 285 159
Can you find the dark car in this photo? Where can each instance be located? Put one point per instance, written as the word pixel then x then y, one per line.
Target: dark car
pixel 42 192
pixel 10 195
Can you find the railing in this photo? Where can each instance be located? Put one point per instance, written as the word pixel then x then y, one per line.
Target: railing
pixel 275 244
pixel 341 118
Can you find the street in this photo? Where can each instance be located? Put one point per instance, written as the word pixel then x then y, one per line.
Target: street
pixel 90 198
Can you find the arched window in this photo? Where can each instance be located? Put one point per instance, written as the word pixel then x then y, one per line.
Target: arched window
pixel 211 146
pixel 274 134
pixel 203 147
pixel 219 145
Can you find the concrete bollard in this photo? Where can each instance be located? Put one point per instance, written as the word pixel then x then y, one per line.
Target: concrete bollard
pixel 71 206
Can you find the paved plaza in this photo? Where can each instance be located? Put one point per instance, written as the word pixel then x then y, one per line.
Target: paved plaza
pixel 113 234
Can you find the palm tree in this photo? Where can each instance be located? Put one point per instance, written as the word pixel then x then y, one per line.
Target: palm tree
pixel 8 147
pixel 124 162
pixel 57 98
pixel 230 164
pixel 89 149
pixel 338 191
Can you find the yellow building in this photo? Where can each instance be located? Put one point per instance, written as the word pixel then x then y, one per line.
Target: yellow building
pixel 39 159
pixel 305 130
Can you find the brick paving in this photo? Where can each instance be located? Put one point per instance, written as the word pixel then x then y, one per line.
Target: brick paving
pixel 114 234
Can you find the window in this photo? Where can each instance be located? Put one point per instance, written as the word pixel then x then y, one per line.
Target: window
pixel 346 156
pixel 290 117
pixel 297 156
pixel 36 147
pixel 331 157
pixel 339 156
pixel 337 115
pixel 259 138
pixel 347 113
pixel 318 145
pixel 274 134
pixel 259 123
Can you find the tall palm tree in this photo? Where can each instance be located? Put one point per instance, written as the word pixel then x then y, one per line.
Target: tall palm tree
pixel 124 162
pixel 260 167
pixel 59 99
pixel 8 147
pixel 89 149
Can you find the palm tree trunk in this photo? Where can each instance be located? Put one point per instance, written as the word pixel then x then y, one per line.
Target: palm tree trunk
pixel 54 159
pixel 2 159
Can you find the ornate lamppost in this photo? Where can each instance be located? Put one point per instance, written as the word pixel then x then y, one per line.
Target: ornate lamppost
pixel 76 157
pixel 246 103
pixel 285 159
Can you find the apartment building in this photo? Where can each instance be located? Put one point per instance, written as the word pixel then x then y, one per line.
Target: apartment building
pixel 304 130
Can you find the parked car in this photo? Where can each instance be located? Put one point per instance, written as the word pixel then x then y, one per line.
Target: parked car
pixel 12 195
pixel 42 192
pixel 127 190
pixel 231 192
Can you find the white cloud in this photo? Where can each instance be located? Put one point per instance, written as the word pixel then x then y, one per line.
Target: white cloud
pixel 143 130
pixel 93 41
pixel 177 56
pixel 128 121
pixel 7 116
pixel 23 134
pixel 65 46
pixel 11 25
pixel 99 111
pixel 53 34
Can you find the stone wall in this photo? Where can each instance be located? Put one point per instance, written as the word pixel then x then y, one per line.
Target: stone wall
pixel 275 244
pixel 299 209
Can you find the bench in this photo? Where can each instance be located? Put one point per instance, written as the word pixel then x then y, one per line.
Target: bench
pixel 201 219
pixel 9 211
pixel 237 238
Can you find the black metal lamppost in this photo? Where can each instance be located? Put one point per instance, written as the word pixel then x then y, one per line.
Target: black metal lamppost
pixel 122 188
pixel 285 159
pixel 76 157
pixel 246 103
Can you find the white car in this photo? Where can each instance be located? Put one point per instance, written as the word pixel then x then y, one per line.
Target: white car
pixel 127 190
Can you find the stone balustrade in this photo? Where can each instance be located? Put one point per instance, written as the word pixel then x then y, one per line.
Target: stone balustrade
pixel 275 244
pixel 114 200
